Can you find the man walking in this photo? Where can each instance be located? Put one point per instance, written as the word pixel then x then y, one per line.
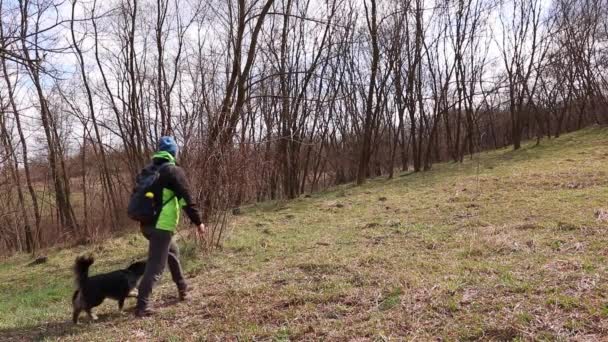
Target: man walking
pixel 175 194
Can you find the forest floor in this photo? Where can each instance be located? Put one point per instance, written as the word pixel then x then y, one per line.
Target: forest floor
pixel 506 246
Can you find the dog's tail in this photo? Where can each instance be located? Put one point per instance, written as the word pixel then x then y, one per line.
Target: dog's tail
pixel 81 269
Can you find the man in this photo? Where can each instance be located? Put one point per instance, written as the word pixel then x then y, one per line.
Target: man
pixel 162 249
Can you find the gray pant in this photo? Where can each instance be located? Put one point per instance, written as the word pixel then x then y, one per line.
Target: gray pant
pixel 161 250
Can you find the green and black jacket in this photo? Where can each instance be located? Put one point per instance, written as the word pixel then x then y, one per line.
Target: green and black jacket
pixel 176 194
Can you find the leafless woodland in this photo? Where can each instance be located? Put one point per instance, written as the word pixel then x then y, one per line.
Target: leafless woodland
pixel 272 99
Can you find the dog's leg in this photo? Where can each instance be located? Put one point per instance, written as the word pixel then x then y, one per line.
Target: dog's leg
pixel 121 303
pixel 77 308
pixel 92 316
pixel 75 315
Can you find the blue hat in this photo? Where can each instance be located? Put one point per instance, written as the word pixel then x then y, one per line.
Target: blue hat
pixel 168 144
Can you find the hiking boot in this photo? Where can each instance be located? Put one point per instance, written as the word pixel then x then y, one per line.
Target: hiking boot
pixel 141 313
pixel 182 292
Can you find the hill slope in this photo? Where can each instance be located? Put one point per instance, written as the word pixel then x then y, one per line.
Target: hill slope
pixel 505 246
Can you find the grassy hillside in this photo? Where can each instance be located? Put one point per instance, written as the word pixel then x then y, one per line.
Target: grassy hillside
pixel 506 246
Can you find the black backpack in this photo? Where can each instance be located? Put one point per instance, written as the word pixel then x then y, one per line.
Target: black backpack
pixel 145 203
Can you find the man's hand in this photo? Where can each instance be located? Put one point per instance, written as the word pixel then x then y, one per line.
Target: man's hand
pixel 201 231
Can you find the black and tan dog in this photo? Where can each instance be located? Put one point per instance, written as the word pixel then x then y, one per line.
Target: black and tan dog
pixel 93 290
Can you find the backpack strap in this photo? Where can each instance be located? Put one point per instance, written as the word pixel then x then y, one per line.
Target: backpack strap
pixel 161 167
pixel 167 201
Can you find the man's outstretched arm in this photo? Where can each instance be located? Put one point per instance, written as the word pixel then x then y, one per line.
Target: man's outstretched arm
pixel 181 187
